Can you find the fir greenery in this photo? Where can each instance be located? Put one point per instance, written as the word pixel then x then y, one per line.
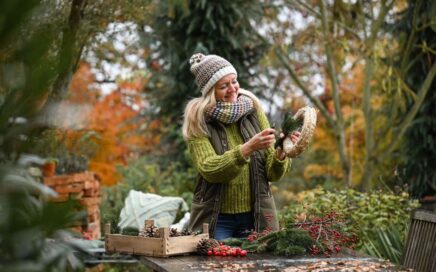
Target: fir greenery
pixel 287 242
pixel 289 125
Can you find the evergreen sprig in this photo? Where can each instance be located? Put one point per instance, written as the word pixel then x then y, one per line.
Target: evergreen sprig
pixel 286 242
pixel 289 125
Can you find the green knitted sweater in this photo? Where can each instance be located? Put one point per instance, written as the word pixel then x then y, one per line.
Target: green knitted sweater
pixel 232 168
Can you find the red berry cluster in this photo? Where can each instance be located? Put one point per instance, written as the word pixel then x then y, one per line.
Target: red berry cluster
pixel 253 235
pixel 329 233
pixel 224 251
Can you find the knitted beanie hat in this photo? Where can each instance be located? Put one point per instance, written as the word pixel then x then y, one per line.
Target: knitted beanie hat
pixel 209 69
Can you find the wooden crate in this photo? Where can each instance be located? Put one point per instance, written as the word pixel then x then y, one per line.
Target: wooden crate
pixel 164 246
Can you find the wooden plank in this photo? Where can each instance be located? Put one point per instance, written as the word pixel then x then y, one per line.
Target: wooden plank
pixel 416 241
pixel 256 262
pixel 164 264
pixel 205 228
pixel 429 247
pixel 107 229
pixel 184 244
pixel 424 216
pixel 134 245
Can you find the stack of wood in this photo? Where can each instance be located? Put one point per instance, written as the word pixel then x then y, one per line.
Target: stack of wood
pixel 85 187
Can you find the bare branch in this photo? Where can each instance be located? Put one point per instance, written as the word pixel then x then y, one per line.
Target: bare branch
pixel 284 59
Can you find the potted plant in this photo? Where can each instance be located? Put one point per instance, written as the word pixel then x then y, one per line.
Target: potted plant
pixel 49 167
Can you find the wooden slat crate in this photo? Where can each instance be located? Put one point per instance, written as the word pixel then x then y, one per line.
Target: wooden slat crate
pixel 164 246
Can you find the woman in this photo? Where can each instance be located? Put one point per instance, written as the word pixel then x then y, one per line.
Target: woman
pixel 231 144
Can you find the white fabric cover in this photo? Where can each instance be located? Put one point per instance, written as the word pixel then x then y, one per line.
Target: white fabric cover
pixel 140 206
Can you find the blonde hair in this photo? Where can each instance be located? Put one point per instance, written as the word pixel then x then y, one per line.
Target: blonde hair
pixel 194 123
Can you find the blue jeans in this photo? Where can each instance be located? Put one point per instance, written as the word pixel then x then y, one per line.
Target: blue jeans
pixel 233 225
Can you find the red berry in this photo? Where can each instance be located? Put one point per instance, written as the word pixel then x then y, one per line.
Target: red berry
pixel 223 254
pixel 209 253
pixel 243 253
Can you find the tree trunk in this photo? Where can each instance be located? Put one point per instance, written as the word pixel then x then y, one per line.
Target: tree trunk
pixel 340 126
pixel 69 53
pixel 367 112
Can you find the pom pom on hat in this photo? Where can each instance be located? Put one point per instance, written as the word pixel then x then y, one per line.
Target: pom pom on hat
pixel 209 69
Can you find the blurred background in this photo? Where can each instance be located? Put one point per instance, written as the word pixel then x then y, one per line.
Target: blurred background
pixel 99 88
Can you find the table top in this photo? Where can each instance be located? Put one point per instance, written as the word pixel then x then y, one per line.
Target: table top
pixel 268 262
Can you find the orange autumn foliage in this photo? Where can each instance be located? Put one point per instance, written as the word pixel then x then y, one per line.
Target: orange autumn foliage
pixel 120 130
pixel 351 88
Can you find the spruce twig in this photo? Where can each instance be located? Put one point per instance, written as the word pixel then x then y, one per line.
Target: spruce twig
pixel 289 125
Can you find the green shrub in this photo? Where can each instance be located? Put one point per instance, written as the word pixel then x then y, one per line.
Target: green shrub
pixel 370 215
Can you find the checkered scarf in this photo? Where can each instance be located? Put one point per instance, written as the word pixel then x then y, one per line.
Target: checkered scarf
pixel 227 112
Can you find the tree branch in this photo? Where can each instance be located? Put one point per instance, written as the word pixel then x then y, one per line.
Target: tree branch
pixel 311 97
pixel 369 72
pixel 68 51
pixel 407 50
pixel 340 127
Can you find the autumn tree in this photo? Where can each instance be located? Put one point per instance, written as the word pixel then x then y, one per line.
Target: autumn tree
pixel 119 131
pixel 338 36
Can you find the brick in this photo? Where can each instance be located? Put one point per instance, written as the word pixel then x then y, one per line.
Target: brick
pixel 84 176
pixel 91 193
pixel 94 217
pixel 88 201
pixel 58 180
pixel 92 209
pixel 69 188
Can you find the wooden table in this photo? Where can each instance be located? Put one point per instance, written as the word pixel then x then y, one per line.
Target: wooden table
pixel 267 262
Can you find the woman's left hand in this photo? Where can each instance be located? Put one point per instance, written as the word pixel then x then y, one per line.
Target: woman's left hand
pixel 280 153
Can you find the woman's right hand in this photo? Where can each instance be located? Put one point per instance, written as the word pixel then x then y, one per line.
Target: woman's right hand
pixel 262 140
